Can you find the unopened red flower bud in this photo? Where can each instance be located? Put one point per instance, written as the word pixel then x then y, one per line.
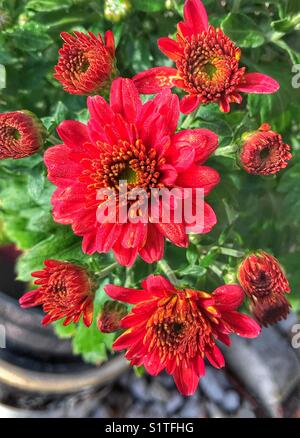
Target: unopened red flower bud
pixel 110 317
pixel 265 283
pixel 87 63
pixel 21 134
pixel 65 291
pixel 269 311
pixel 263 152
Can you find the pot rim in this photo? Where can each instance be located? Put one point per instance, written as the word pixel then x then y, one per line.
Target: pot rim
pixel 35 381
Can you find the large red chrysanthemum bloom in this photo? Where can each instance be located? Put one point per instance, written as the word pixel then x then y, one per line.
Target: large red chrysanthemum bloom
pixel 65 291
pixel 175 329
pixel 86 64
pixel 127 140
pixel 207 65
pixel 21 134
pixel 265 283
pixel 263 152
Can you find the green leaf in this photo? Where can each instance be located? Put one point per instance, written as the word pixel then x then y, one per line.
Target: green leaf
pixel 89 341
pixel 242 30
pixel 48 5
pixel 30 37
pixel 286 24
pixel 64 331
pixel 149 6
pixel 61 246
pixel 15 229
pixel 36 182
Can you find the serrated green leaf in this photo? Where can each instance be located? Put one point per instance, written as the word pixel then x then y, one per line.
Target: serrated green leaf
pixel 61 246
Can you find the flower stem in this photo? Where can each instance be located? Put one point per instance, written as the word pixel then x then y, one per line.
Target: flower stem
pixel 167 270
pixel 226 151
pixel 236 6
pixel 106 271
pixel 189 120
pixel 52 139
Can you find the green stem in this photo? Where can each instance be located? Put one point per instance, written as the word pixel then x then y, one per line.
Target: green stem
pixel 52 139
pixel 231 252
pixel 189 120
pixel 216 270
pixel 128 278
pixel 167 270
pixel 106 271
pixel 236 6
pixel 226 151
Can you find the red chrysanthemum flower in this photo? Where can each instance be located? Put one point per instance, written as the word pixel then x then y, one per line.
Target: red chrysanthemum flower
pixel 21 134
pixel 127 140
pixel 86 64
pixel 65 291
pixel 110 316
pixel 263 152
pixel 265 283
pixel 175 329
pixel 207 65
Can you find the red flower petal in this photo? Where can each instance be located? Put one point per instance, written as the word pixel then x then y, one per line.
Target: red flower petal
pixel 215 357
pixel 127 295
pixel 189 103
pixel 170 48
pixel 199 176
pixel 174 232
pixel 125 256
pixel 125 99
pixel 100 111
pixel 30 299
pixel 134 235
pixel 61 170
pixel 241 324
pixel 153 250
pixel 110 41
pixel 224 105
pixel 258 83
pixel 182 156
pixel 74 134
pixel 157 285
pixel 209 221
pixel 203 141
pixel 167 105
pixel 107 235
pixel 184 30
pixel 186 379
pixel 89 243
pixel 195 15
pixel 127 339
pixel 154 367
pixel 228 297
pixel 155 79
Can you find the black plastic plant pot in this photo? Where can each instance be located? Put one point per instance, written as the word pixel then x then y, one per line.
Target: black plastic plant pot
pixel 39 375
